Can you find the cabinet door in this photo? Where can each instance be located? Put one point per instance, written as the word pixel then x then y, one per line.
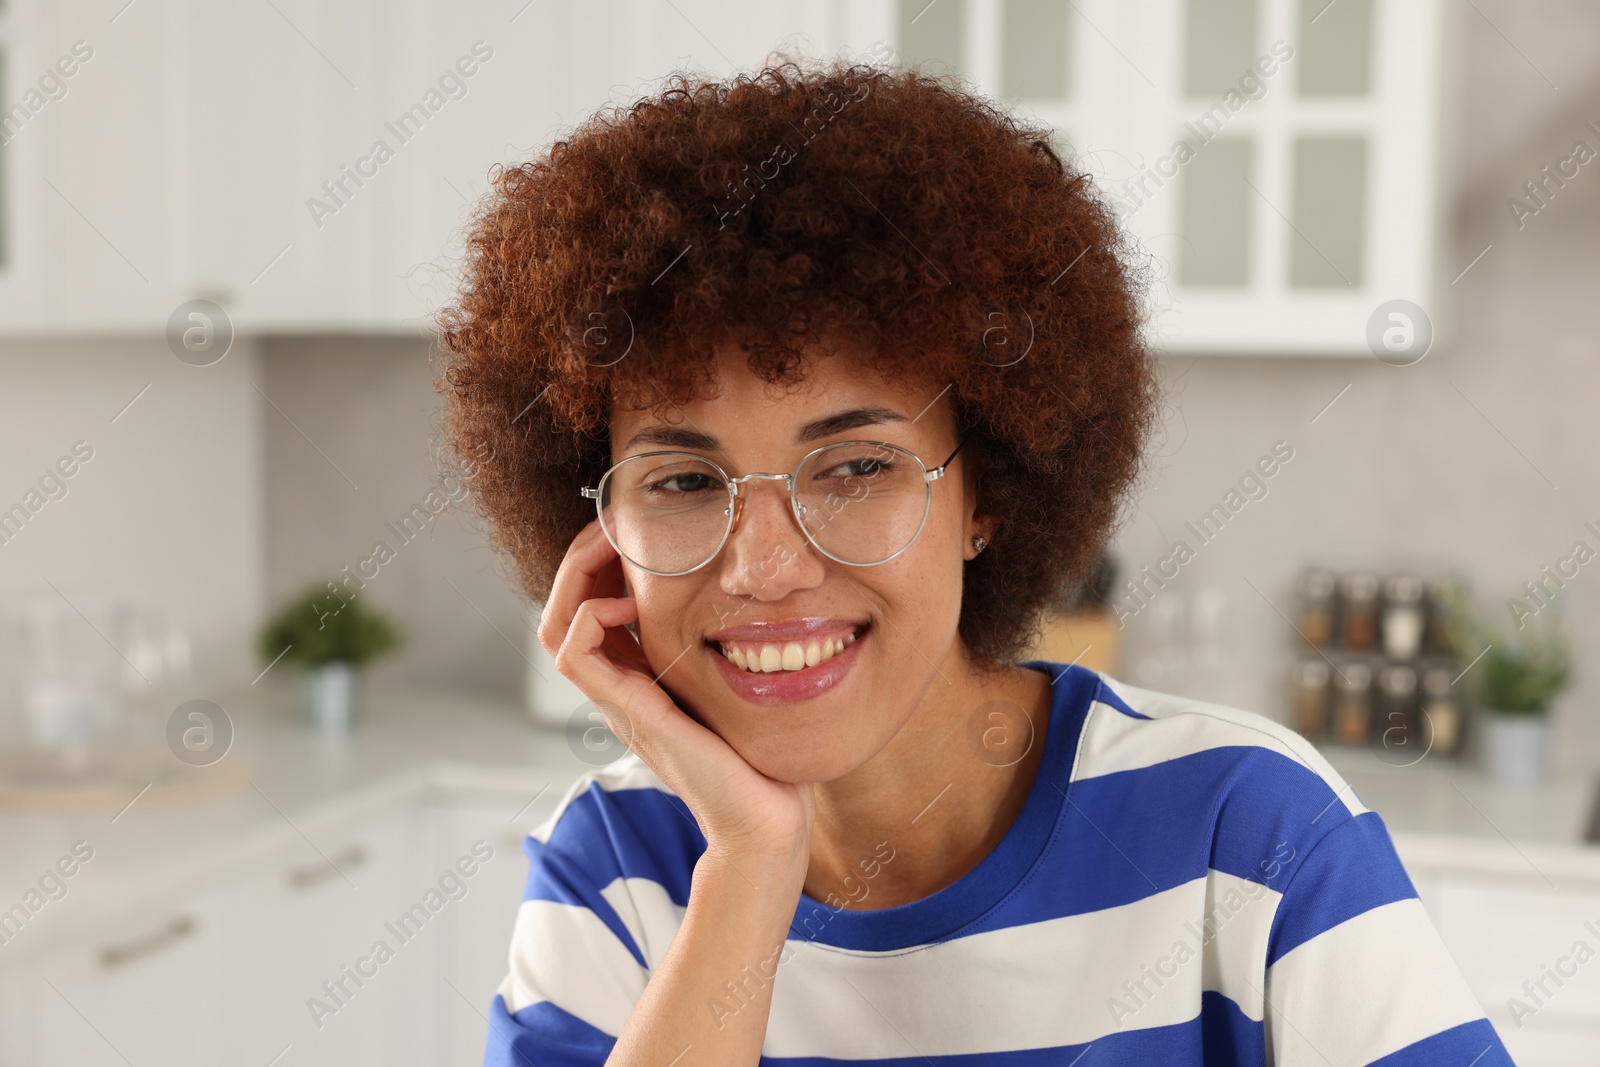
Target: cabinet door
pixel 1529 953
pixel 1276 158
pixel 336 996
pixel 148 989
pixel 472 955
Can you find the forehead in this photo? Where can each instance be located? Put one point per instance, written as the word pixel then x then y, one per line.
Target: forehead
pixel 743 405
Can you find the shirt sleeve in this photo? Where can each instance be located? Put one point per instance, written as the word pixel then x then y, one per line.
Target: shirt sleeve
pixel 1356 971
pixel 576 969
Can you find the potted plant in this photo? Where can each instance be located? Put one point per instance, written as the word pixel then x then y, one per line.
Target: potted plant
pixel 1517 679
pixel 330 639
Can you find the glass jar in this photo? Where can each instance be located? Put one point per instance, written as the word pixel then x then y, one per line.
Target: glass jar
pixel 1316 607
pixel 1358 611
pixel 1402 617
pixel 1310 678
pixel 1443 590
pixel 1398 734
pixel 1441 710
pixel 1352 713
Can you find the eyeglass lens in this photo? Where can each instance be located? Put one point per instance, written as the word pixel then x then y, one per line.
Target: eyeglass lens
pixel 861 503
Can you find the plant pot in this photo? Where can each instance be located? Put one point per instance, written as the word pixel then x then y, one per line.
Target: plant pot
pixel 331 693
pixel 1516 747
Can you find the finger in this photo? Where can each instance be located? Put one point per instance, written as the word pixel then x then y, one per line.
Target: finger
pixel 573 584
pixel 584 659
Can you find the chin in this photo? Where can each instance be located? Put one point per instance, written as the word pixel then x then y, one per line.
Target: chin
pixel 798 766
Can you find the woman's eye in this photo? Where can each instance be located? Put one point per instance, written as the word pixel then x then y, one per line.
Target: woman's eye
pixel 861 468
pixel 682 483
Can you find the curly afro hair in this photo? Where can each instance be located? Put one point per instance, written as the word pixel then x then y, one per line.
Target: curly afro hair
pixel 776 211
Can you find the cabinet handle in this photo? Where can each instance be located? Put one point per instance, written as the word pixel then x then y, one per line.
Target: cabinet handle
pixel 116 955
pixel 314 874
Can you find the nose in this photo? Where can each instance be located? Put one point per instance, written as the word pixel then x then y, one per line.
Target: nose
pixel 767 555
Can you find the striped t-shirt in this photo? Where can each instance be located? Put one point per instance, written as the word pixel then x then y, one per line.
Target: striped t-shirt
pixel 1185 884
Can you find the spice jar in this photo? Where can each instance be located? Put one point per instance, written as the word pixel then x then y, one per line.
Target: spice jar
pixel 1402 617
pixel 1443 590
pixel 1352 714
pixel 1441 710
pixel 1311 697
pixel 1358 611
pixel 1316 607
pixel 1398 733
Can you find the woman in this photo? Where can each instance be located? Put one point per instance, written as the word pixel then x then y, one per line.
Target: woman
pixel 807 391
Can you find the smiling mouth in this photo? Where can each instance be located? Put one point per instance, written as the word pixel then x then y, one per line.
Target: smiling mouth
pixel 772 657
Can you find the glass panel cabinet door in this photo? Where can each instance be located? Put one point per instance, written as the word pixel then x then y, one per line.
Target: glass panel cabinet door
pixel 1276 158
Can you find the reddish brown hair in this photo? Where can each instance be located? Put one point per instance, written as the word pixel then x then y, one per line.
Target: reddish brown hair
pixel 944 236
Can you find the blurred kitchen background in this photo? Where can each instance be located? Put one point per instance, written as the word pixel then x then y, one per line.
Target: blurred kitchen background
pixel 1373 269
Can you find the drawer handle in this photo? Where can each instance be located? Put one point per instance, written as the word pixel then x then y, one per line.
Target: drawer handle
pixel 116 955
pixel 314 874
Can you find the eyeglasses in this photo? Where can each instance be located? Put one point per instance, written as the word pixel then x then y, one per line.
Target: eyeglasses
pixel 860 503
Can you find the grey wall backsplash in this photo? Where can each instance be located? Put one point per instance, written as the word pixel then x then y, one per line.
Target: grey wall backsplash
pixel 368 405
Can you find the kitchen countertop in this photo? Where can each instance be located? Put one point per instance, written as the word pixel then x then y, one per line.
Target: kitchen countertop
pixel 299 788
pixel 295 787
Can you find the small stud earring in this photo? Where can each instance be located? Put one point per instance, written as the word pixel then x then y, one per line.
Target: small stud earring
pixel 979 544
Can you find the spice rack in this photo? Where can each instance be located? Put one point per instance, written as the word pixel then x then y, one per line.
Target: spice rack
pixel 1377 663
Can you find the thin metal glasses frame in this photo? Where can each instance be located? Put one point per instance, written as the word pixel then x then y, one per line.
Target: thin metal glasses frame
pixel 736 502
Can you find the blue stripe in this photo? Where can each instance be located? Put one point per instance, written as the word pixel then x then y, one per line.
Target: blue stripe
pixel 542 1035
pixel 1354 869
pixel 559 877
pixel 632 833
pixel 1243 810
pixel 1473 1044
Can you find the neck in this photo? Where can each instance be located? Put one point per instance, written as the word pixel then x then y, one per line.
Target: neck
pixel 930 806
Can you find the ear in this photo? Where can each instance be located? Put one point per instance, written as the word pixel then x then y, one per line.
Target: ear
pixel 982 526
pixel 978 524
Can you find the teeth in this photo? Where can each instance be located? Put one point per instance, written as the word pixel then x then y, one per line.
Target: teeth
pixel 789 656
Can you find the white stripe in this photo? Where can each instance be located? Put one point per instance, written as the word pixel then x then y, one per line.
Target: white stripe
pixel 628 772
pixel 1042 985
pixel 649 913
pixel 1179 726
pixel 566 955
pixel 1365 989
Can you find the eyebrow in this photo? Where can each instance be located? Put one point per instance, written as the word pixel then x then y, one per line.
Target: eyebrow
pixel 677 437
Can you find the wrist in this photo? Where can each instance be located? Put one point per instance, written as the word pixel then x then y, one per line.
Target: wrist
pixel 765 870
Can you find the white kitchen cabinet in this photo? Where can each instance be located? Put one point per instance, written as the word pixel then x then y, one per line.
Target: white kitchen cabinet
pixel 1507 931
pixel 231 151
pixel 1305 195
pixel 474 949
pixel 150 989
pixel 225 973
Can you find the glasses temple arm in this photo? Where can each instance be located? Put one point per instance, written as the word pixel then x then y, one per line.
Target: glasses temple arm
pixel 952 455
